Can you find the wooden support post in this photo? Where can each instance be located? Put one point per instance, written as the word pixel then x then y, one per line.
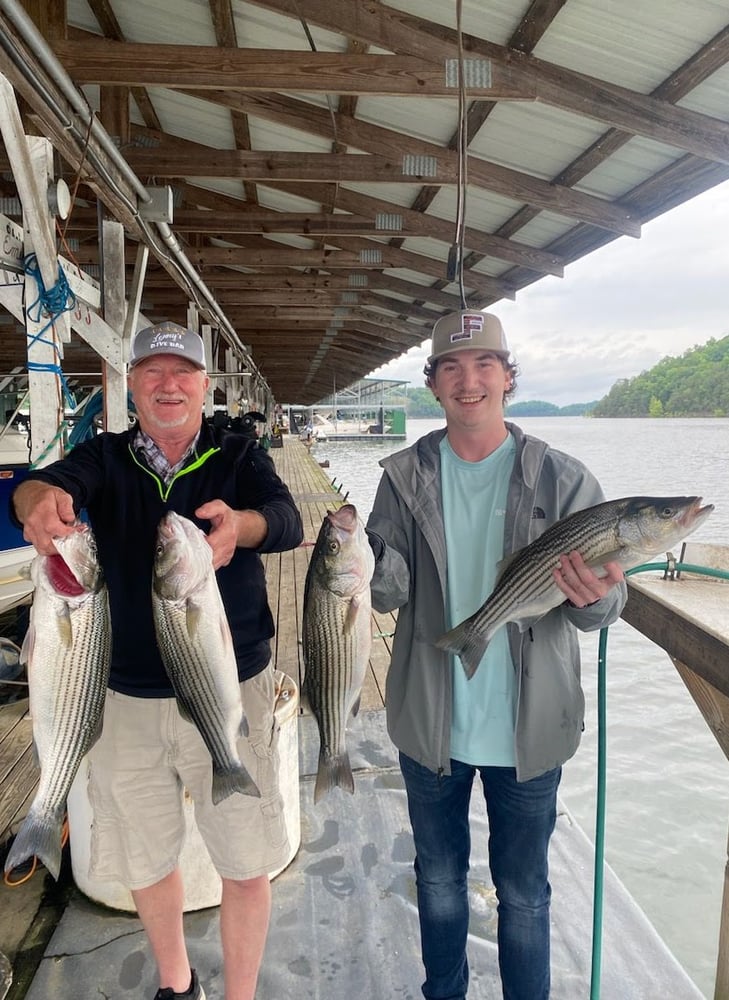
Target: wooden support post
pixel 232 385
pixel 193 318
pixel 114 381
pixel 721 985
pixel 135 297
pixel 45 338
pixel 207 336
pixel 32 160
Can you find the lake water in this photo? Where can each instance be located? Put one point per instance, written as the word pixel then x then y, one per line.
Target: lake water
pixel 667 789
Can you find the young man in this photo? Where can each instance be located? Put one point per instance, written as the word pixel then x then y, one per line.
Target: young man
pixel 173 459
pixel 447 510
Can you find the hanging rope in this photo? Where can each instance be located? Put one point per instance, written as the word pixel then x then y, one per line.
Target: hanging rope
pixel 455 256
pixel 51 302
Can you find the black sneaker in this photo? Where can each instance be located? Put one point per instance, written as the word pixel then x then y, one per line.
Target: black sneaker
pixel 195 991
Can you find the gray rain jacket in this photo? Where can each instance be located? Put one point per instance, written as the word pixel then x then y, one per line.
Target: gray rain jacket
pixel 410 575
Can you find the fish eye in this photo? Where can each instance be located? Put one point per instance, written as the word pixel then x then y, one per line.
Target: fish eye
pixel 158 550
pixel 667 512
pixel 334 546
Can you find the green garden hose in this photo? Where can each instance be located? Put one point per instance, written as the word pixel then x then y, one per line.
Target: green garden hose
pixel 599 885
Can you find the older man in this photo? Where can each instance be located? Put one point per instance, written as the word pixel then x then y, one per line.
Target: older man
pixel 172 459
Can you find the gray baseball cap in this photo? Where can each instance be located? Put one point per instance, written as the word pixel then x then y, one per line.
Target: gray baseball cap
pixel 168 338
pixel 468 329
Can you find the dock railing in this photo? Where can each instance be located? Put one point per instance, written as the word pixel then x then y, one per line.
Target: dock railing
pixel 687 615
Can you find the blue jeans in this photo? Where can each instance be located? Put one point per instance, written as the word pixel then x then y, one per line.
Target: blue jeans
pixel 521 820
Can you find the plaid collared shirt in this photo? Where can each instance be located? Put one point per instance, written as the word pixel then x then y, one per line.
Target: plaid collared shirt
pixel 156 458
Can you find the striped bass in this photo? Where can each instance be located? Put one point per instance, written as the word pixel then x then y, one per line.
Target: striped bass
pixel 627 531
pixel 337 637
pixel 196 647
pixel 68 650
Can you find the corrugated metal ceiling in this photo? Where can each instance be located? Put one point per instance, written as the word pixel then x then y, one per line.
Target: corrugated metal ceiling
pixel 623 114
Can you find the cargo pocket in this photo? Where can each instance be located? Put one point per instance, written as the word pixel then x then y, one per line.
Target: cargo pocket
pixel 269 775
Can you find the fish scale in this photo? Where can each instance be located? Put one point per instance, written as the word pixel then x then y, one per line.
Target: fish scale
pixel 187 663
pixel 68 647
pixel 544 554
pixel 329 700
pixel 627 531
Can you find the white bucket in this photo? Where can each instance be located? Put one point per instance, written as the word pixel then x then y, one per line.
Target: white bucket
pixel 201 881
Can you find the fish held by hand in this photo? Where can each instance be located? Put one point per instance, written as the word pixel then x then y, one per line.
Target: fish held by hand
pixel 628 531
pixel 68 651
pixel 337 638
pixel 196 647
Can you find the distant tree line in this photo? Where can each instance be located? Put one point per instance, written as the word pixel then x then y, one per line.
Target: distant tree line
pixel 540 408
pixel 696 384
pixel 421 403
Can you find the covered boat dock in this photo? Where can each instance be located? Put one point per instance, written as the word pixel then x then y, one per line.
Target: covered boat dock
pixel 288 178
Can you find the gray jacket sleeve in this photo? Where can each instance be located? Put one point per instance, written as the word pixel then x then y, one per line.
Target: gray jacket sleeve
pixel 600 614
pixel 391 579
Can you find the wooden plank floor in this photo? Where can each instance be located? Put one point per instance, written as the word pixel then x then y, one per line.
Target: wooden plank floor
pixel 286 572
pixel 18 772
pixel 285 575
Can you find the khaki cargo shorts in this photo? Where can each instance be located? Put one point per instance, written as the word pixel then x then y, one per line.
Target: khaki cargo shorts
pixel 148 758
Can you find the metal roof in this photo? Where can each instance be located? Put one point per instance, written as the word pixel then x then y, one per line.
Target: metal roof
pixel 312 150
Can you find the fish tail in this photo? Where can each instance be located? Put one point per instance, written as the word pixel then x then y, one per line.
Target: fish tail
pixel 466 643
pixel 334 772
pixel 234 779
pixel 39 836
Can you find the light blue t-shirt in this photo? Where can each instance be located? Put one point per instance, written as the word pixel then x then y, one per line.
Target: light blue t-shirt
pixel 474 508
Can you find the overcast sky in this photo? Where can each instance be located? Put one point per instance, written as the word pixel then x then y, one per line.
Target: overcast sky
pixel 619 310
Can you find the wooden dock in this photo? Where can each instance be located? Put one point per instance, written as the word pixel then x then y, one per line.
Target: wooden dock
pixel 285 576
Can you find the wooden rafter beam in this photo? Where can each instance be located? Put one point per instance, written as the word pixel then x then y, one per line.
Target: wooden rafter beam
pixel 204 67
pixel 503 181
pixel 408 35
pixel 110 28
pixel 192 67
pixel 221 12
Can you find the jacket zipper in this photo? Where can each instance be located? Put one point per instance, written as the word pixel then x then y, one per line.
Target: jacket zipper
pixel 164 492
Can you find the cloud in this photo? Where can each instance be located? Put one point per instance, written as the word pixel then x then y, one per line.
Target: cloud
pixel 617 311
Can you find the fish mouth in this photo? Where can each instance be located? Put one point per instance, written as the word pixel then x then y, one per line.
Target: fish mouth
pixel 345 517
pixel 62 577
pixel 695 511
pixel 166 528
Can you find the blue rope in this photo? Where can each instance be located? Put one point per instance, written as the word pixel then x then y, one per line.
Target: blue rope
pixel 51 302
